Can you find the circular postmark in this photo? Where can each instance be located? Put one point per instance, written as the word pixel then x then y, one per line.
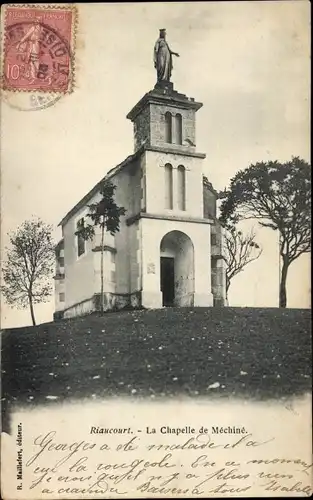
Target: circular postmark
pixel 29 101
pixel 37 66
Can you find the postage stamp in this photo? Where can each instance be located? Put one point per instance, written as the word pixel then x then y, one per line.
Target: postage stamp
pixel 39 48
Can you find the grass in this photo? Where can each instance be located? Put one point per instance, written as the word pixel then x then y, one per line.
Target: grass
pixel 243 352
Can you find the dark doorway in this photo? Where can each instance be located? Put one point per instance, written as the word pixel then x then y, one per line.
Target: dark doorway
pixel 167 281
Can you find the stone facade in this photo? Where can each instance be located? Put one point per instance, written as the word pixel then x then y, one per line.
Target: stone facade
pixel 165 253
pixel 157 127
pixel 142 129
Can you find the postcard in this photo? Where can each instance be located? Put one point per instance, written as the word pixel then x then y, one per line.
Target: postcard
pixel 155 250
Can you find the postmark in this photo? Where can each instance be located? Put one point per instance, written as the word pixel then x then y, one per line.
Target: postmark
pixel 30 101
pixel 38 55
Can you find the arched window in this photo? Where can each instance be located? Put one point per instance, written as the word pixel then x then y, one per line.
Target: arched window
pixel 181 187
pixel 179 129
pixel 168 127
pixel 168 169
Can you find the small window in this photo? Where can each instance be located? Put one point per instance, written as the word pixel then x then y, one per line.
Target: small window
pixel 113 257
pixel 178 129
pixel 81 244
pixel 181 187
pixel 168 127
pixel 112 276
pixel 168 181
pixel 62 297
pixel 61 261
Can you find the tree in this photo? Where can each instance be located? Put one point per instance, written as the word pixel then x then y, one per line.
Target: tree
pixel 279 196
pixel 106 215
pixel 27 272
pixel 238 251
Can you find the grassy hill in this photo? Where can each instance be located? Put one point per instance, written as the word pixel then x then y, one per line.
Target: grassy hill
pixel 255 353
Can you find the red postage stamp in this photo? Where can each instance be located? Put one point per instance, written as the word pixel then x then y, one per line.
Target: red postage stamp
pixel 38 48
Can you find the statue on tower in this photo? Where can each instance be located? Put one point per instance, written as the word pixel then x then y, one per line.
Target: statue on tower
pixel 163 58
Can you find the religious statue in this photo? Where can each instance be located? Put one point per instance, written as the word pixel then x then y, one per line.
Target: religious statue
pixel 163 58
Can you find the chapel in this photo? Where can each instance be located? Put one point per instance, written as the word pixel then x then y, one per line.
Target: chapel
pixel 168 252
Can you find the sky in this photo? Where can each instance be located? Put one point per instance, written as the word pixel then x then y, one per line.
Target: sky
pixel 247 62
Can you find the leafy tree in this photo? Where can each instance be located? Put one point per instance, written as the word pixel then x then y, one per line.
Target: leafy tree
pixel 27 271
pixel 279 196
pixel 238 251
pixel 106 215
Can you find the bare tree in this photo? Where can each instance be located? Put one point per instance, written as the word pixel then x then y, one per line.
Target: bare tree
pixel 238 251
pixel 278 195
pixel 27 271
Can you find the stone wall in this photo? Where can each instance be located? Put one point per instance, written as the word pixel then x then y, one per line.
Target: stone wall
pixel 218 265
pixel 117 302
pixel 149 127
pixel 209 201
pixel 80 309
pixel 142 128
pixel 112 302
pixel 157 127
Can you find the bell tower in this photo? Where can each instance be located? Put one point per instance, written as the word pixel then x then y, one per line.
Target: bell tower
pixel 165 118
pixel 164 122
pixel 175 235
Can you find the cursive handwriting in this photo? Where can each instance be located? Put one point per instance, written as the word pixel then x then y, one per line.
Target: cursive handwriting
pixel 198 466
pixel 47 444
pixel 202 442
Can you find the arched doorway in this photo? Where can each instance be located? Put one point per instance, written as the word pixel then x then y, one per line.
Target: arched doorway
pixel 177 270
